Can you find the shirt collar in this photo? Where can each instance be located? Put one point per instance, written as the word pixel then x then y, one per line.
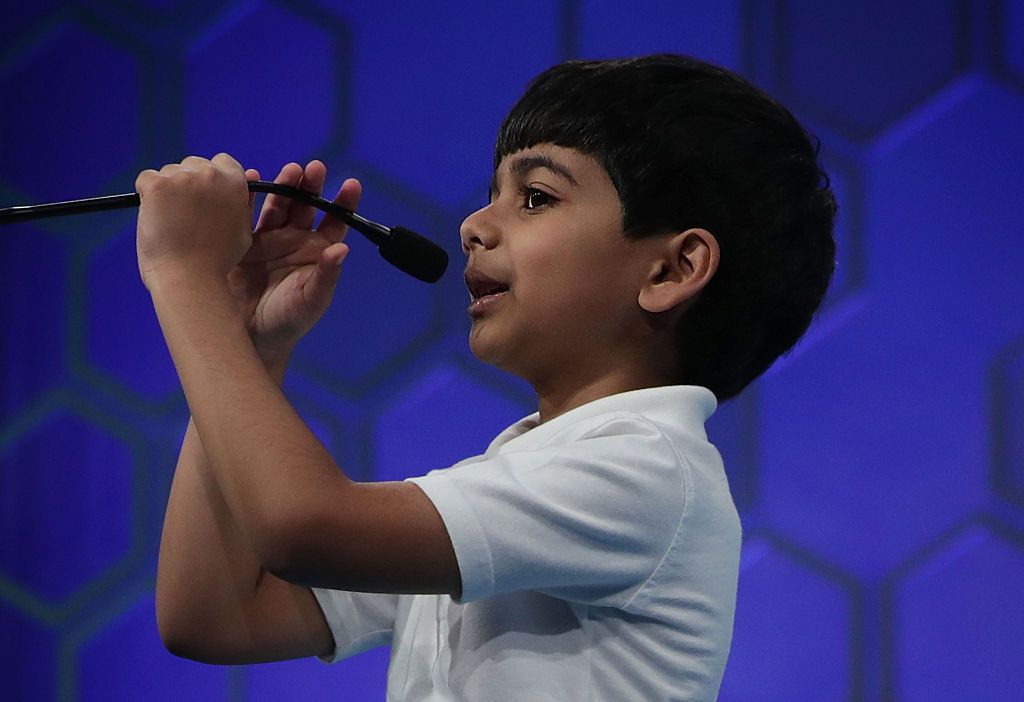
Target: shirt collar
pixel 677 406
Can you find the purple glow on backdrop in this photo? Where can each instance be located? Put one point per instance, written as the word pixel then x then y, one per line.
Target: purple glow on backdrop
pixel 878 469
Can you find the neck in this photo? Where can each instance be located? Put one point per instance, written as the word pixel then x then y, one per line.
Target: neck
pixel 582 378
pixel 572 391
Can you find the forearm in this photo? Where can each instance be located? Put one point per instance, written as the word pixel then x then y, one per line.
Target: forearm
pixel 207 571
pixel 263 458
pixel 206 566
pixel 215 602
pixel 281 492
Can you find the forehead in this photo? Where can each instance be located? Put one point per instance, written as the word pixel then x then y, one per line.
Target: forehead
pixel 573 167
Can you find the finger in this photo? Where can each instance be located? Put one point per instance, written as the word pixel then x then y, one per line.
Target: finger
pixel 224 164
pixel 348 197
pixel 313 177
pixel 275 208
pixel 319 288
pixel 251 174
pixel 333 255
pixel 145 180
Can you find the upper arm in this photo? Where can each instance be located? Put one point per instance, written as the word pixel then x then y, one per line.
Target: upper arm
pixel 370 537
pixel 587 520
pixel 363 537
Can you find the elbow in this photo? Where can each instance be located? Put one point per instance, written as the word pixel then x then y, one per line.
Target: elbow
pixel 178 646
pixel 172 621
pixel 183 631
pixel 187 641
pixel 175 637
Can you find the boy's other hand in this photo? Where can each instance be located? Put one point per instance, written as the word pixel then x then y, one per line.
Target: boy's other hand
pixel 286 279
pixel 195 218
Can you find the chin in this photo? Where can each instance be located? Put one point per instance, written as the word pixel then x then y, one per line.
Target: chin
pixel 488 349
pixel 483 350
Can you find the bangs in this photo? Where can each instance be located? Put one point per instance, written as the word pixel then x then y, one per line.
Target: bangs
pixel 555 109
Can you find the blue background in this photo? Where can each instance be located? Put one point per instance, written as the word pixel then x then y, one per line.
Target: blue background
pixel 879 468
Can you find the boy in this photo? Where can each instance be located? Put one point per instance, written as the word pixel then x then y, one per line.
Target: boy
pixel 658 232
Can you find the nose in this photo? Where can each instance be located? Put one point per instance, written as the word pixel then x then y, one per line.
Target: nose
pixel 479 230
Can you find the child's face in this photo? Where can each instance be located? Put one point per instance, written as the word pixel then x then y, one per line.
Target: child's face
pixel 553 280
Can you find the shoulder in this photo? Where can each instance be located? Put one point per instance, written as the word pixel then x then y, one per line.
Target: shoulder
pixel 586 513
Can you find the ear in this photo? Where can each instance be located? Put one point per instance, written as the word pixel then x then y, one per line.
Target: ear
pixel 685 263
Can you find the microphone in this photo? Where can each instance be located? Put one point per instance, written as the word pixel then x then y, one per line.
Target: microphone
pixel 406 250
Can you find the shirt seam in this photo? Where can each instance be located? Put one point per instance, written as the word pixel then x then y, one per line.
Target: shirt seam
pixel 365 636
pixel 408 663
pixel 685 480
pixel 590 656
pixel 684 470
pixel 612 417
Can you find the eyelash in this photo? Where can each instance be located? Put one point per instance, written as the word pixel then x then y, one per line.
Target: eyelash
pixel 527 193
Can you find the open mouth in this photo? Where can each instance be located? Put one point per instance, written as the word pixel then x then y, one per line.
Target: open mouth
pixel 484 292
pixel 480 286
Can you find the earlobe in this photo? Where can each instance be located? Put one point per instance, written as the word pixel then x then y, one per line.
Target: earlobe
pixel 685 263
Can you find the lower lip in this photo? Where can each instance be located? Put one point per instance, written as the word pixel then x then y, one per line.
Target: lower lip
pixel 482 305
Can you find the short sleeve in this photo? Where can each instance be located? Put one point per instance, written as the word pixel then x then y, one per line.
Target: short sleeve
pixel 358 621
pixel 587 519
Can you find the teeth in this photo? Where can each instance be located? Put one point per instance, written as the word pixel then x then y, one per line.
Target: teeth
pixel 484 292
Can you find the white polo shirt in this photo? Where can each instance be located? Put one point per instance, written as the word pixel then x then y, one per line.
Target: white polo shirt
pixel 599 554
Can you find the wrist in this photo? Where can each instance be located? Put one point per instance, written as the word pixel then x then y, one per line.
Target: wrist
pixel 193 308
pixel 276 363
pixel 172 280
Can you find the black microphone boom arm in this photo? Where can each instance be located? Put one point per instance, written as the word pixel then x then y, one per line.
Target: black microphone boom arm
pixel 404 249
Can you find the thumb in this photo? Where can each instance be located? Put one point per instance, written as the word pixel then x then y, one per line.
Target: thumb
pixel 332 257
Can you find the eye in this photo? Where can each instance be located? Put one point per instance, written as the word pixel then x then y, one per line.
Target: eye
pixel 534 199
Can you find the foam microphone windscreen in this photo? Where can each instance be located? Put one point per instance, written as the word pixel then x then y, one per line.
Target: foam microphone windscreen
pixel 412 253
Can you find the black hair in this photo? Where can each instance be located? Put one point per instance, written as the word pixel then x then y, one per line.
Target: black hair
pixel 689 144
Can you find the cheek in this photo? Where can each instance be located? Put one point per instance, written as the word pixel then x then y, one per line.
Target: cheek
pixel 553 279
pixel 572 274
pixel 571 297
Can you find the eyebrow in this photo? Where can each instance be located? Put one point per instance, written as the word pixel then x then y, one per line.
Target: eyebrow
pixel 521 165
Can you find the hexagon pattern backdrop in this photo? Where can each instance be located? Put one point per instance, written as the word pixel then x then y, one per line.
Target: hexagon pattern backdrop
pixel 879 468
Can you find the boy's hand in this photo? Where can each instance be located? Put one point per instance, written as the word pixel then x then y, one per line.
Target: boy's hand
pixel 286 280
pixel 194 219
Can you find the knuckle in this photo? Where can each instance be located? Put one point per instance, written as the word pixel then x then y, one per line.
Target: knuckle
pixel 145 179
pixel 160 185
pixel 227 159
